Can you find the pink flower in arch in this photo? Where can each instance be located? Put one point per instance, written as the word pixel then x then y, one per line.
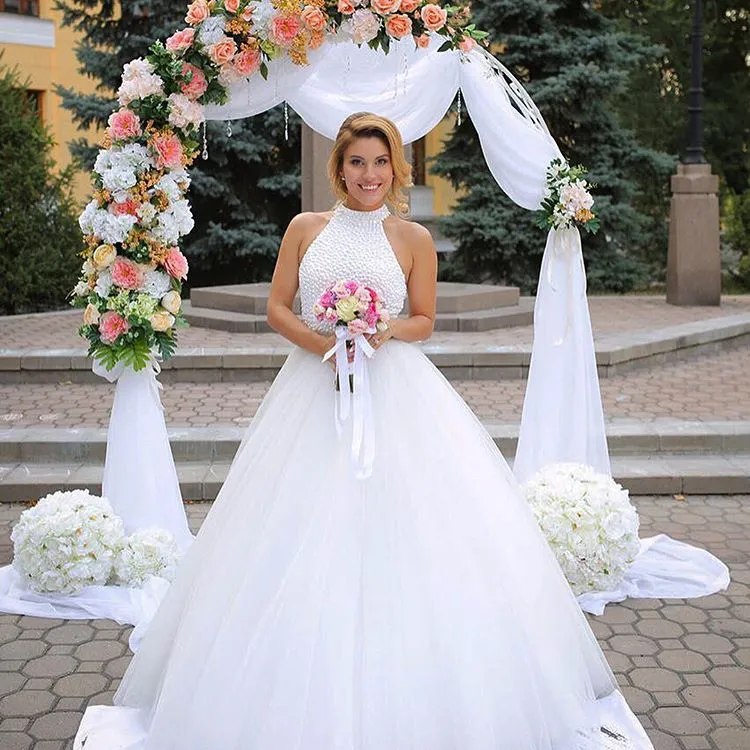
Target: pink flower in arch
pixel 168 151
pixel 247 61
pixel 197 85
pixel 222 52
pixel 126 274
pixel 176 263
pixel 124 124
pixel 127 207
pixel 284 28
pixel 111 326
pixel 181 40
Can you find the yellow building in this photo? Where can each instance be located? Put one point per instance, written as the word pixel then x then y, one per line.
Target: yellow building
pixel 33 39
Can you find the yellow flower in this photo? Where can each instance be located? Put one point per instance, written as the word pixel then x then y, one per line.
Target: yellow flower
pixel 347 309
pixel 171 301
pixel 104 256
pixel 161 320
pixel 90 315
pixel 583 215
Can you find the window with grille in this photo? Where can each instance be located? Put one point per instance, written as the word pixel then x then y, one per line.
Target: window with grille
pixel 21 7
pixel 418 157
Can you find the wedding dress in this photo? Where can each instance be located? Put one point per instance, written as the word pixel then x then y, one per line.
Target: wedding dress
pixel 417 609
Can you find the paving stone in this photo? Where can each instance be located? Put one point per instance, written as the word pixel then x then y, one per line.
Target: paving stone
pixel 13 725
pixel 708 643
pixel 10 682
pixel 70 634
pixel 640 701
pixel 710 698
pixel 662 741
pixel 22 650
pixel 26 703
pixel 655 679
pixel 633 645
pixel 681 720
pixel 734 678
pixel 50 666
pixel 57 726
pixel 726 719
pixel 80 685
pixel 667 698
pixel 117 667
pixel 38 683
pixel 8 632
pixel 695 743
pixel 16 741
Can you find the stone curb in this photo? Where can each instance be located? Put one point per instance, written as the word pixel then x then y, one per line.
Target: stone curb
pixel 615 354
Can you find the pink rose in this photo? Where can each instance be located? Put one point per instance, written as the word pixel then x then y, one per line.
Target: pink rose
pixel 331 315
pixel 127 207
pixel 222 52
pixel 124 124
pixel 168 151
pixel 433 16
pixel 328 299
pixel 351 286
pixel 385 7
pixel 313 18
pixel 422 41
pixel 284 29
pixel 197 85
pixel 398 26
pixel 112 325
pixel 467 44
pixel 409 6
pixel 346 7
pixel 357 326
pixel 247 61
pixel 126 274
pixel 198 11
pixel 181 40
pixel 231 6
pixel 371 316
pixel 176 263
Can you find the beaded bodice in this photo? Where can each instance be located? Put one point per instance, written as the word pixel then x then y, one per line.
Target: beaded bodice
pixel 352 246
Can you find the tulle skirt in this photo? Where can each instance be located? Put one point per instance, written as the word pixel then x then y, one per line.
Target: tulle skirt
pixel 418 609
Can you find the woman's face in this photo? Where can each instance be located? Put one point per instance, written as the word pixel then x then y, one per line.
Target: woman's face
pixel 367 172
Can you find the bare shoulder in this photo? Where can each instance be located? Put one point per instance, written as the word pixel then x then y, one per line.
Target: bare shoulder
pixel 308 221
pixel 414 236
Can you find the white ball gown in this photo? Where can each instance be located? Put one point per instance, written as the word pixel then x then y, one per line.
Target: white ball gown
pixel 418 609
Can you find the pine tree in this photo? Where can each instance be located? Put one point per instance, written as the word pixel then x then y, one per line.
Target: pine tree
pixel 574 63
pixel 247 191
pixel 39 235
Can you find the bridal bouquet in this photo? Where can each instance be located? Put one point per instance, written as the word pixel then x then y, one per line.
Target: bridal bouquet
pixel 567 200
pixel 589 523
pixel 70 540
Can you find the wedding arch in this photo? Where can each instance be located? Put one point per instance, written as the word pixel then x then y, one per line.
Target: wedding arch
pixel 408 60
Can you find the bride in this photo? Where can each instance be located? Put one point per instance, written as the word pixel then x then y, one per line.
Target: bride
pixel 416 609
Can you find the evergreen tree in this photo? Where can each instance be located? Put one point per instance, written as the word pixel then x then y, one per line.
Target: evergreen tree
pixel 39 235
pixel 247 191
pixel 575 63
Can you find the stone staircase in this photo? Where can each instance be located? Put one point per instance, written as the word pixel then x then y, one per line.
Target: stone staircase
pixel 664 457
pixel 241 308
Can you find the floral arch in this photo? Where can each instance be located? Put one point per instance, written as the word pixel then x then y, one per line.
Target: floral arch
pixel 404 59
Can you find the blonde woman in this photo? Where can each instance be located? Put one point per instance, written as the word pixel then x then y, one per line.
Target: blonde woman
pixel 418 608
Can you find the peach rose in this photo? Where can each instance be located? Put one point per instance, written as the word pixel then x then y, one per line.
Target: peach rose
pixel 111 326
pixel 247 14
pixel 181 40
pixel 385 7
pixel 172 302
pixel 313 18
pixel 128 207
pixel 247 61
pixel 123 124
pixel 222 52
pixel 104 256
pixel 91 315
pixel 168 151
pixel 409 6
pixel 422 41
pixel 161 320
pixel 398 26
pixel 346 7
pixel 176 263
pixel 231 6
pixel 433 17
pixel 126 274
pixel 197 85
pixel 198 11
pixel 284 29
pixel 467 44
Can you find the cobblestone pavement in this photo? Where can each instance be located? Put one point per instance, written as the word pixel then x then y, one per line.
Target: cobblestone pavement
pixel 609 315
pixel 708 387
pixel 683 665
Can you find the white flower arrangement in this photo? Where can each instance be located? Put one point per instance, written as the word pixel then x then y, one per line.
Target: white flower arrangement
pixel 67 541
pixel 567 201
pixel 148 552
pixel 589 523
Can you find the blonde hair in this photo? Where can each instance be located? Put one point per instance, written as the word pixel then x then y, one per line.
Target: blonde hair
pixel 369 125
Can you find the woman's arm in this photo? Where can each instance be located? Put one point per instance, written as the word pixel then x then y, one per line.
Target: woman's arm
pixel 422 288
pixel 283 288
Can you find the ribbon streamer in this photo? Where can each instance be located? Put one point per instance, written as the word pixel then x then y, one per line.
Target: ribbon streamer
pixel 152 367
pixel 357 403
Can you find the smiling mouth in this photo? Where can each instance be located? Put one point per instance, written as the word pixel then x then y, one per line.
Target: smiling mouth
pixel 370 188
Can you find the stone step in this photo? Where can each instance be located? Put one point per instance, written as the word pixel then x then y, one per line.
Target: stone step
pixel 452 297
pixel 661 438
pixel 201 480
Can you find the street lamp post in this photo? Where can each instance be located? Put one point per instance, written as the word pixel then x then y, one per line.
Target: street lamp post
pixel 693 258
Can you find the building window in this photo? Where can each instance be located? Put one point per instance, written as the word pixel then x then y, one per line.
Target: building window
pixel 418 157
pixel 35 102
pixel 22 7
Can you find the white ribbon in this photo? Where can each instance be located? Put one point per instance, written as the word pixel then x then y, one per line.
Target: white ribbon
pixel 152 367
pixel 357 403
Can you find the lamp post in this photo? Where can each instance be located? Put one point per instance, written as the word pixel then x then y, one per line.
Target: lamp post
pixel 693 259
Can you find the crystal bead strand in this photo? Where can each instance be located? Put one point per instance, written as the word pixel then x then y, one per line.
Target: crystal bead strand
pixel 205 142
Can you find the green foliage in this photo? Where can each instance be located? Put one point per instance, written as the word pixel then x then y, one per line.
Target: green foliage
pixel 247 191
pixel 736 242
pixel 39 235
pixel 575 64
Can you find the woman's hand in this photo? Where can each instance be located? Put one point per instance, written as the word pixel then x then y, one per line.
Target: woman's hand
pixel 376 340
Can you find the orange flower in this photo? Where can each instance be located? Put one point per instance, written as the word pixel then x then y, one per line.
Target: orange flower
pixel 346 7
pixel 398 26
pixel 422 41
pixel 584 215
pixel 385 7
pixel 409 6
pixel 197 12
pixel 433 17
pixel 313 18
pixel 222 52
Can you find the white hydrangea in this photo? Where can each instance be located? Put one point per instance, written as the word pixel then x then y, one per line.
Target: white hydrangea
pixel 263 12
pixel 67 541
pixel 104 283
pixel 211 31
pixel 589 523
pixel 81 289
pixel 184 112
pixel 139 81
pixel 118 179
pixel 86 219
pixel 146 213
pixel 156 283
pixel 170 184
pixel 173 223
pixel 146 553
pixel 110 228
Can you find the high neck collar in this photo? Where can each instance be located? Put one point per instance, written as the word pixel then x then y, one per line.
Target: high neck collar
pixel 363 217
